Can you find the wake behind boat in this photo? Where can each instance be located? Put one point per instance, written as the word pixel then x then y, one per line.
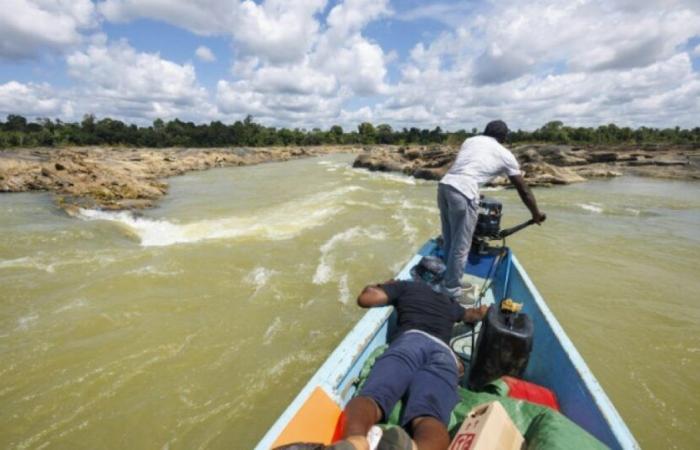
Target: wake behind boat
pixel 554 363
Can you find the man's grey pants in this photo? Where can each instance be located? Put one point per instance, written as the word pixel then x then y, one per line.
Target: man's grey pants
pixel 458 216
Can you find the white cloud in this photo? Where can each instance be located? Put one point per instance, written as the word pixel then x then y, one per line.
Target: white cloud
pixel 351 16
pixel 496 66
pixel 661 94
pixel 296 79
pixel 115 79
pixel 291 109
pixel 205 54
pixel 33 100
pixel 452 14
pixel 29 26
pixel 513 38
pixel 277 30
pixel 357 63
pixel 204 17
pixel 293 95
pixel 585 62
pixel 344 52
pixel 310 89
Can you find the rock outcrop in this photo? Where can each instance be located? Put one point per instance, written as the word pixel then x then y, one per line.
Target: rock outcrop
pixel 546 164
pixel 119 178
pixel 133 178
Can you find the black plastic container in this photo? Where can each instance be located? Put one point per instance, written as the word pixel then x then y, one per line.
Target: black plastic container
pixel 503 347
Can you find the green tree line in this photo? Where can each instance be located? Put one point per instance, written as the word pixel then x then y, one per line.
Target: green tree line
pixel 17 131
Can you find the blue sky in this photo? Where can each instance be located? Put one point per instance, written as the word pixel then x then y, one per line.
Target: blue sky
pixel 315 63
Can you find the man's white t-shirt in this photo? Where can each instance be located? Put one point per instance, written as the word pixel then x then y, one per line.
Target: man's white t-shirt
pixel 480 160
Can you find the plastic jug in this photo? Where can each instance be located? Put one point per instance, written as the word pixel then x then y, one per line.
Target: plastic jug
pixel 502 348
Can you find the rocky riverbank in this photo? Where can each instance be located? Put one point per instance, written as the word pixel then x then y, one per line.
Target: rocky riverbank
pixel 547 164
pixel 134 178
pixel 124 178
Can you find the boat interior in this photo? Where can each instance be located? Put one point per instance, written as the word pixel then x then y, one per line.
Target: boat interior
pixel 554 364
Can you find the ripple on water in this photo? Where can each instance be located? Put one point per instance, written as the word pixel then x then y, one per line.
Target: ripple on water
pixel 272 330
pixel 25 322
pixel 325 271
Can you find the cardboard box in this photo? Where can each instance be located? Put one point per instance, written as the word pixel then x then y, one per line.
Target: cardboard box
pixel 487 427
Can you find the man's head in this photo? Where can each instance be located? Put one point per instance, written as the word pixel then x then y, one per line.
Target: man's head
pixel 497 129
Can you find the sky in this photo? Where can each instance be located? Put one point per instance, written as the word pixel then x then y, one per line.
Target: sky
pixel 317 63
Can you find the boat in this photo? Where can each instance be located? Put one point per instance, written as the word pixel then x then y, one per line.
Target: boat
pixel 554 362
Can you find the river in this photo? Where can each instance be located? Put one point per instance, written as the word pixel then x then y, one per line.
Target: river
pixel 194 324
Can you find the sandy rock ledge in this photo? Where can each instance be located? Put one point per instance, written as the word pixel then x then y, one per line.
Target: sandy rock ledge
pixel 124 178
pixel 546 164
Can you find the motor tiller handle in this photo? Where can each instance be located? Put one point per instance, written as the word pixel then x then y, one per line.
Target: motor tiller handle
pixel 515 229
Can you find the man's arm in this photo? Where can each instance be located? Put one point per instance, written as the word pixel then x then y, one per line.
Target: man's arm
pixel 474 315
pixel 372 295
pixel 527 197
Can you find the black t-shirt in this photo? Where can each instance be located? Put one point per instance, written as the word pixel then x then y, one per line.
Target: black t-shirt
pixel 421 308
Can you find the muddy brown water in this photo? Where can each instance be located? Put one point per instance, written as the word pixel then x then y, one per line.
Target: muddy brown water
pixel 194 324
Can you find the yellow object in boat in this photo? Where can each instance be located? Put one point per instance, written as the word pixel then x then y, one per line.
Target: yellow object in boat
pixel 511 306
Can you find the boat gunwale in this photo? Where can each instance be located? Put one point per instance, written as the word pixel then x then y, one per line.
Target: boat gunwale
pixel 617 425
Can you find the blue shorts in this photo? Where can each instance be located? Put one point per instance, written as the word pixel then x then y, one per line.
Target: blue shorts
pixel 420 371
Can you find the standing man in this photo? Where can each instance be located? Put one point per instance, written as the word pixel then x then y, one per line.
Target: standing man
pixel 480 159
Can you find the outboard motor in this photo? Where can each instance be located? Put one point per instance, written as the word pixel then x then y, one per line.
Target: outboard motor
pixel 488 225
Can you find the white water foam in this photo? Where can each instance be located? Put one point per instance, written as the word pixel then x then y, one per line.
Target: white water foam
pixel 406 204
pixel 27 263
pixel 333 166
pixel 23 323
pixel 75 304
pixel 367 205
pixel 407 228
pixel 259 277
pixel 272 330
pixel 390 176
pixel 324 270
pixel 344 289
pixel 276 223
pixel 150 270
pixel 592 207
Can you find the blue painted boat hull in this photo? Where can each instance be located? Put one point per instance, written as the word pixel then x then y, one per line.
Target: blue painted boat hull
pixel 554 363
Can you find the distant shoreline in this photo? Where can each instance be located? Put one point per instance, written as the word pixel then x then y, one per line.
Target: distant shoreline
pixel 116 178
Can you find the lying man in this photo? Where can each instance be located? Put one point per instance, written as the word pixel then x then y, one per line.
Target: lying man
pixel 418 367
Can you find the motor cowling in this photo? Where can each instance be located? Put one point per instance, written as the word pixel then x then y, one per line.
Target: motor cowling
pixel 488 224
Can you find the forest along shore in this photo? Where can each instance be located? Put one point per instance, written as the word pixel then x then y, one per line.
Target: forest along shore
pixel 549 164
pixel 117 178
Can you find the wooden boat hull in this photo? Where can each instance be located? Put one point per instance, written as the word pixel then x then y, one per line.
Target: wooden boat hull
pixel 554 363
